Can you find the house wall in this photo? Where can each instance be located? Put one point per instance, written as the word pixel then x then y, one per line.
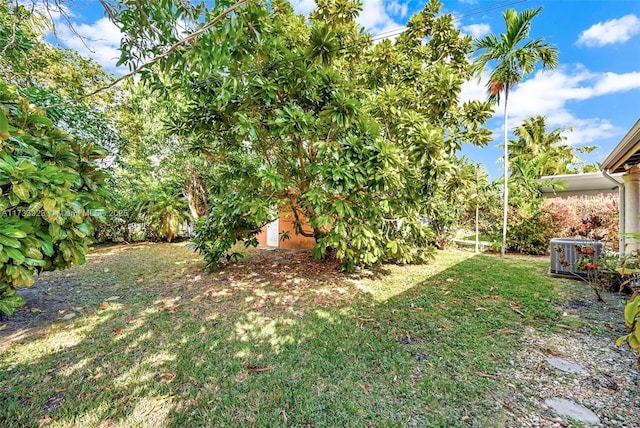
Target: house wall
pixel 295 241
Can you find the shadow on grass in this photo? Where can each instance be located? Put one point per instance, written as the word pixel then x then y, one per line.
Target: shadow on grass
pixel 274 341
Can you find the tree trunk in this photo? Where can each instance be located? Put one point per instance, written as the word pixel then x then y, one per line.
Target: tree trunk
pixel 506 174
pixel 477 229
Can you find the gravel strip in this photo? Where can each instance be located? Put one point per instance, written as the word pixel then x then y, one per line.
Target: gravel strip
pixel 610 386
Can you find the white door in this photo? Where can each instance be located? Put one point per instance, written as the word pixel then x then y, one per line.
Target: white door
pixel 273 230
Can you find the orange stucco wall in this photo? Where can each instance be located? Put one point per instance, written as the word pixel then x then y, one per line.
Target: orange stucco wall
pixel 295 241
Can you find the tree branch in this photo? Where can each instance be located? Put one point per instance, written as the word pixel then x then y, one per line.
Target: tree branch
pixel 171 49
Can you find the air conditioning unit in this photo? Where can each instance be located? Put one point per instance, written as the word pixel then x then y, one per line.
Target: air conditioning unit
pixel 566 251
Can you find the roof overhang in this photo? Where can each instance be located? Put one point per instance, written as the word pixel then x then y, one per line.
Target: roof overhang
pixel 578 184
pixel 626 154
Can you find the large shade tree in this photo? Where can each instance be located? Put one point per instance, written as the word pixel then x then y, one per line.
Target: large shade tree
pixel 512 55
pixel 309 116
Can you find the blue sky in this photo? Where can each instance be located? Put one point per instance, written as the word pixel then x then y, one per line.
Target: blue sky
pixel 595 89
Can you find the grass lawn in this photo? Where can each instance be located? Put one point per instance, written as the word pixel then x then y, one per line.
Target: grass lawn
pixel 142 337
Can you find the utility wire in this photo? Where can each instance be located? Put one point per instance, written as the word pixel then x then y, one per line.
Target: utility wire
pixel 378 37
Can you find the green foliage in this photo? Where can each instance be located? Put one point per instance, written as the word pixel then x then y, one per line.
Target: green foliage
pixel 632 321
pixel 163 209
pixel 312 119
pixel 52 186
pixel 513 56
pixel 590 217
pixel 18 28
pixel 530 231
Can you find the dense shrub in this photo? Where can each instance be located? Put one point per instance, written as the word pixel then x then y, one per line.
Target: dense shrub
pixel 51 186
pixel 529 232
pixel 592 217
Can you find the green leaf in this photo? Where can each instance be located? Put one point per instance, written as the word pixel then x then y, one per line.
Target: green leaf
pixel 49 204
pixel 15 254
pixel 14 301
pixel 631 311
pixel 621 340
pixel 54 230
pixel 40 119
pixel 13 233
pixel 6 308
pixel 9 242
pixel 21 190
pixel 4 123
pixel 47 246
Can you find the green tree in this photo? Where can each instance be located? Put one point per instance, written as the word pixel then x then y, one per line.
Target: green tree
pixel 533 142
pixel 514 56
pixel 312 118
pixel 164 209
pixel 51 186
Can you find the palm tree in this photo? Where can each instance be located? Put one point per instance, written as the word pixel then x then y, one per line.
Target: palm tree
pixel 513 57
pixel 534 142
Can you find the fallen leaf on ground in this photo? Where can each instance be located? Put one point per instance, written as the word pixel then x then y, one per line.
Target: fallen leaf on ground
pixel 3 327
pixel 482 309
pixel 566 327
pixel 140 280
pixel 363 388
pixel 486 375
pixel 369 346
pixel 508 331
pixel 117 330
pixel 36 310
pixel 103 305
pixel 166 377
pixel 258 369
pixel 449 280
pixel 97 376
pixel 552 352
pixel 515 307
pixel 112 298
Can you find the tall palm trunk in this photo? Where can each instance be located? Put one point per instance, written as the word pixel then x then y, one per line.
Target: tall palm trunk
pixel 477 228
pixel 506 174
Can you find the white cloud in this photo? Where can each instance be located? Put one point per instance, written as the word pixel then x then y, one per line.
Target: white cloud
pixel 612 31
pixel 475 89
pixel 99 40
pixel 477 30
pixel 548 93
pixel 303 6
pixel 398 9
pixel 374 17
pixel 586 131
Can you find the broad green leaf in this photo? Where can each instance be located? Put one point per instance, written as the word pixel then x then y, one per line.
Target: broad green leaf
pixel 54 230
pixel 14 301
pixel 40 119
pixel 47 247
pixel 15 254
pixel 631 311
pixel 6 308
pixel 21 190
pixel 4 123
pixel 49 204
pixel 9 242
pixel 621 340
pixel 13 233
